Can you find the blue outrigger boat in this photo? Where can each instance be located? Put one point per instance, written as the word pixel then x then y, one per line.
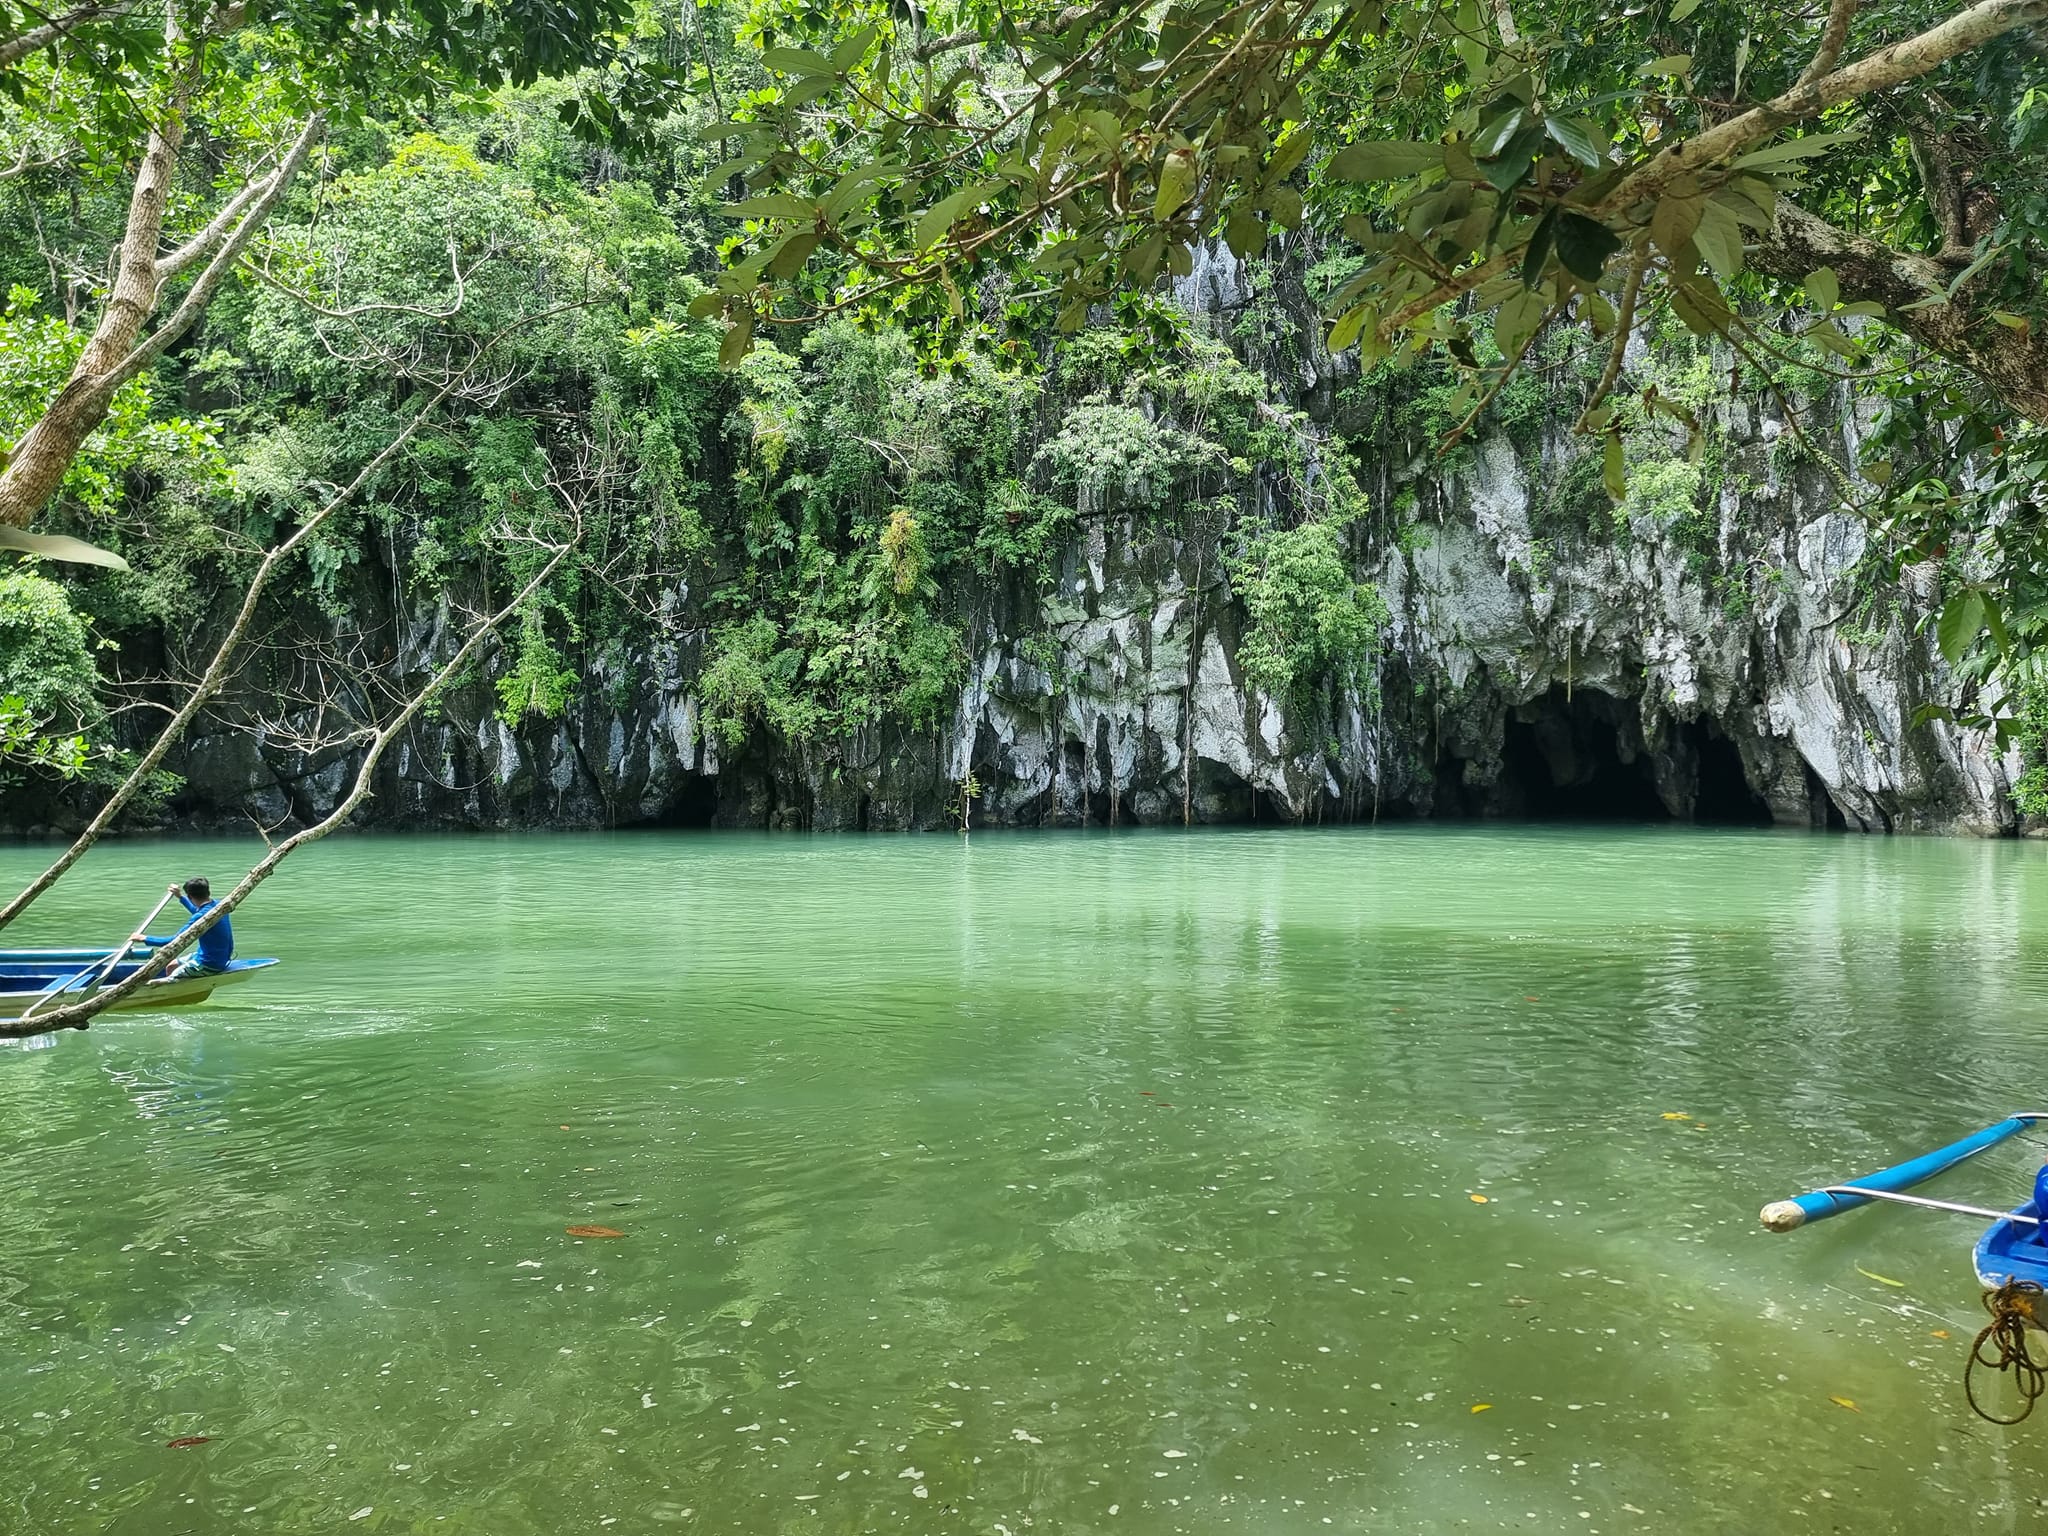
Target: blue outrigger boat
pixel 2011 1257
pixel 37 981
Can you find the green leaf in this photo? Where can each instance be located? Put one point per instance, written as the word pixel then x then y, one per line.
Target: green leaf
pixel 1961 618
pixel 1676 216
pixel 1742 207
pixel 1576 137
pixel 1176 184
pixel 1614 468
pixel 1346 330
pixel 1244 232
pixel 1584 245
pixel 950 210
pixel 2011 321
pixel 1823 288
pixel 1683 9
pixel 1719 239
pixel 1670 64
pixel 796 61
pixel 776 205
pixel 1699 304
pixel 55 546
pixel 1537 256
pixel 794 252
pixel 1516 320
pixel 853 50
pixel 736 342
pixel 1493 138
pixel 1827 334
pixel 1383 161
pixel 1293 149
pixel 1796 149
pixel 706 305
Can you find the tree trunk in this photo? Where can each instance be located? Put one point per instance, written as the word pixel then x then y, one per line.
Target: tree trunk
pixel 44 454
pixel 2013 363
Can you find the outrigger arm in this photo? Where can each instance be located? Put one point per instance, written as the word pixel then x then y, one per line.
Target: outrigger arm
pixel 1789 1215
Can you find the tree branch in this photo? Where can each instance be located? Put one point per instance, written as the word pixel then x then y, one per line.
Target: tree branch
pixel 18 47
pixel 1914 291
pixel 1916 56
pixel 1833 38
pixel 200 294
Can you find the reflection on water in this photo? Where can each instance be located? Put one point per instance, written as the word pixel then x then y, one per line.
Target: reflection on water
pixel 1058 1182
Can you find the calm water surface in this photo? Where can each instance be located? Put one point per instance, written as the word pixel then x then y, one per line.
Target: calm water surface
pixel 1052 1183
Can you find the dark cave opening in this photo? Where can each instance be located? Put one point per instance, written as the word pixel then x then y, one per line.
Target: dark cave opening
pixel 1565 762
pixel 694 804
pixel 1722 796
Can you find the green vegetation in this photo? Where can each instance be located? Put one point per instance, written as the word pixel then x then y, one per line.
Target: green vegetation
pixel 801 386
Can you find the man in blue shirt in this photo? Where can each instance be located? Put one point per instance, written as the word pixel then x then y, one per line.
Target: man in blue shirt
pixel 217 944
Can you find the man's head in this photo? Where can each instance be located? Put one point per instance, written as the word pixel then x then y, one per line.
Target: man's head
pixel 198 889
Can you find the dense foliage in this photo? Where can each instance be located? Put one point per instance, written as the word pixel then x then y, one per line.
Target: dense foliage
pixel 867 321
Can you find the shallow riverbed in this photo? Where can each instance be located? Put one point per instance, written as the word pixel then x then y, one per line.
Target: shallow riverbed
pixel 1398 1180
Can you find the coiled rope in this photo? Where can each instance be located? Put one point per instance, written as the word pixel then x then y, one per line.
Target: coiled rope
pixel 2012 1309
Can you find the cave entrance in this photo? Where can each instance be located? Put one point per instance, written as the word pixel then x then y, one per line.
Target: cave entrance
pixel 694 804
pixel 1722 796
pixel 1577 758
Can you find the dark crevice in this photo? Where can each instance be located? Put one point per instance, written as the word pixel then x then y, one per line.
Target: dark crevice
pixel 1723 797
pixel 694 804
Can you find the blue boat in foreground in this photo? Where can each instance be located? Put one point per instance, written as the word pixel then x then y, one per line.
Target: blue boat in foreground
pixel 2011 1258
pixel 2015 1247
pixel 40 980
pixel 27 975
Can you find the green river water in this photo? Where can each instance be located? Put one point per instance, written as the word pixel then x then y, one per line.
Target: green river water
pixel 1048 1183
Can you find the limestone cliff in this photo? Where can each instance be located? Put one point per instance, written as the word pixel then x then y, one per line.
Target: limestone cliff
pixel 1746 666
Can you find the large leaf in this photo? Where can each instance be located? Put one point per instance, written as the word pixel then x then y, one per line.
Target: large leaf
pixel 1677 215
pixel 1960 621
pixel 1795 149
pixel 1381 161
pixel 948 211
pixel 1176 184
pixel 796 61
pixel 1719 239
pixel 1537 256
pixel 1584 245
pixel 1577 138
pixel 55 546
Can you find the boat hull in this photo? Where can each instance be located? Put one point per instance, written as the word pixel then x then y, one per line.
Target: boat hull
pixel 23 982
pixel 2013 1250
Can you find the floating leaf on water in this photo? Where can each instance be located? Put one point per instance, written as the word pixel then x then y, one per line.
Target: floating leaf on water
pixel 1939 1333
pixel 1481 1407
pixel 1880 1279
pixel 1532 999
pixel 1846 1403
pixel 1676 1114
pixel 1479 1199
pixel 593 1231
pixel 186 1442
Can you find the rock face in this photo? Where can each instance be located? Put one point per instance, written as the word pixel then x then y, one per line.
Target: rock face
pixel 1742 668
